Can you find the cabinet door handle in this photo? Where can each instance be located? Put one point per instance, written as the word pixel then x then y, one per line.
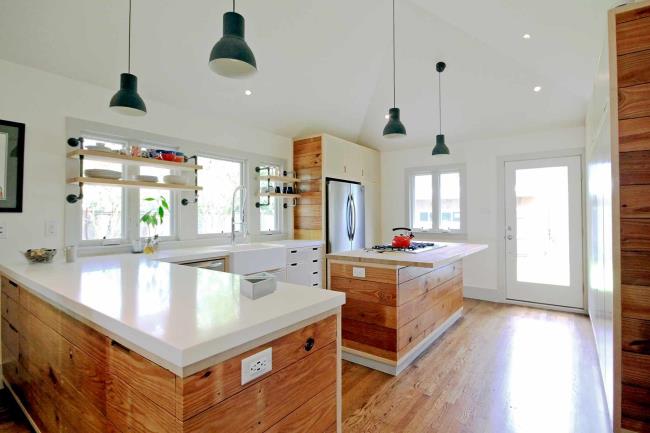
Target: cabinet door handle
pixel 120 346
pixel 309 344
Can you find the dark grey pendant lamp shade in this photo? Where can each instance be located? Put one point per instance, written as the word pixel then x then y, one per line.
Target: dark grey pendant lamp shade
pixel 126 100
pixel 440 147
pixel 394 128
pixel 231 56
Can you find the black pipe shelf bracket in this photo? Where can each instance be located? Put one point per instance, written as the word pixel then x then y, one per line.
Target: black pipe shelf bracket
pixel 185 201
pixel 77 142
pixel 265 172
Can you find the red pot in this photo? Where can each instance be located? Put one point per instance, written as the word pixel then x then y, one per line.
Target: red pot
pixel 403 240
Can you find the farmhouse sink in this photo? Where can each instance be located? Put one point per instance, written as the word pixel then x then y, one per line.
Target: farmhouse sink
pixel 251 258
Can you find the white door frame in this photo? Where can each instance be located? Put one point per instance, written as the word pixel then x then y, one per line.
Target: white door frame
pixel 501 224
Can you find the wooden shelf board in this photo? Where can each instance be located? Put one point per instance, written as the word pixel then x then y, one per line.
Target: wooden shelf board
pixel 284 179
pixel 275 194
pixel 133 183
pixel 98 155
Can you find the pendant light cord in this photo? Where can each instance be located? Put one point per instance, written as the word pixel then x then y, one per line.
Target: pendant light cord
pixel 394 81
pixel 233 5
pixel 129 36
pixel 440 99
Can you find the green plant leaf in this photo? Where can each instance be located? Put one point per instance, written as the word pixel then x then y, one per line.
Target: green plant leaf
pixel 149 199
pixel 164 203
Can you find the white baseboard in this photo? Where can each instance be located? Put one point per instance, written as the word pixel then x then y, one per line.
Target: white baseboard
pixel 482 294
pixel 393 368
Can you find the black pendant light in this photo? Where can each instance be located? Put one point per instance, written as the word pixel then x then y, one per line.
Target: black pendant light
pixel 231 56
pixel 126 100
pixel 394 128
pixel 440 147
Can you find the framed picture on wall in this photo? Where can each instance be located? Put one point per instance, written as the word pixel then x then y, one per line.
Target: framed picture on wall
pixel 12 154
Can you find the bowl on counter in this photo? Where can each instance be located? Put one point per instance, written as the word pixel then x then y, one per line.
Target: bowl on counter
pixel 102 174
pixel 40 255
pixel 175 179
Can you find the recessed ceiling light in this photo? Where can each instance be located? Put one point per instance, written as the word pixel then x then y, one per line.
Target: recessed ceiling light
pixel 537 89
pixel 526 36
pixel 248 92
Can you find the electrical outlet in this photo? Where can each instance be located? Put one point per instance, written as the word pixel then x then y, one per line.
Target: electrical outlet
pixel 359 272
pixel 3 230
pixel 50 229
pixel 256 365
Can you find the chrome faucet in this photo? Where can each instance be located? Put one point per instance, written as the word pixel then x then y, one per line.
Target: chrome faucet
pixel 242 222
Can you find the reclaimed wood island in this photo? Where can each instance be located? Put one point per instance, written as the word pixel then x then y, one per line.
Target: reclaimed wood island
pixel 128 344
pixel 397 303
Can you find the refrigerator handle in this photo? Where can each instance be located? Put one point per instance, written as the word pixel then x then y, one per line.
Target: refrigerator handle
pixel 348 212
pixel 354 217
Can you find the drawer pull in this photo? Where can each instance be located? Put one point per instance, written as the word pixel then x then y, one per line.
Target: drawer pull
pixel 293 251
pixel 120 346
pixel 315 260
pixel 309 344
pixel 315 249
pixel 294 264
pixel 315 273
pixel 314 285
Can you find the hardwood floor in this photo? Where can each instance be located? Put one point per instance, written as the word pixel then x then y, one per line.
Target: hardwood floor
pixel 11 418
pixel 500 369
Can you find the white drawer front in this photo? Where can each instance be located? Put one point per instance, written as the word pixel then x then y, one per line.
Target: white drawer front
pixel 303 255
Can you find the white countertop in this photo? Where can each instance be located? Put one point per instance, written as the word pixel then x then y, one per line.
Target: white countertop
pixel 179 314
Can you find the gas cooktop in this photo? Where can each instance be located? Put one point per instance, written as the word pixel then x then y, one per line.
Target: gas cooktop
pixel 416 247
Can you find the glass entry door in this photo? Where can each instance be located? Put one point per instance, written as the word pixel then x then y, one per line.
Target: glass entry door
pixel 544 231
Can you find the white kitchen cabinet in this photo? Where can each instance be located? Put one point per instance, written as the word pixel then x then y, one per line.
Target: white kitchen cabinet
pixel 305 266
pixel 349 161
pixel 373 214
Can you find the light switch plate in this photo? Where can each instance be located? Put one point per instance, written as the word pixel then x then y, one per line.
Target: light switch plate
pixel 3 230
pixel 256 365
pixel 359 272
pixel 50 228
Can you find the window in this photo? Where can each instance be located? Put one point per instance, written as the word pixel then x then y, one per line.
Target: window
pixel 436 199
pixel 102 207
pixel 219 178
pixel 164 229
pixel 270 215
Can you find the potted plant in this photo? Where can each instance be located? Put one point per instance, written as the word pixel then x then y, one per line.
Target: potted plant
pixel 153 218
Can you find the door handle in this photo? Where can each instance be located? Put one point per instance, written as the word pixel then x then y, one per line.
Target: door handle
pixel 348 211
pixel 354 217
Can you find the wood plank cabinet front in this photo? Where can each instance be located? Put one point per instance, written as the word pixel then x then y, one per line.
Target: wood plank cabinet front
pixel 72 378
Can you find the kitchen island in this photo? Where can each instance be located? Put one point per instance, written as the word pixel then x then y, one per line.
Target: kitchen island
pixel 126 343
pixel 397 303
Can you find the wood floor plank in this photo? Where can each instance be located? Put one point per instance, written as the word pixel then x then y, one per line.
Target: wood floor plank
pixel 490 372
pixel 11 418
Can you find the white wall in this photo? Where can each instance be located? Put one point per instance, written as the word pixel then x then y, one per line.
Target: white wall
pixel 43 101
pixel 480 158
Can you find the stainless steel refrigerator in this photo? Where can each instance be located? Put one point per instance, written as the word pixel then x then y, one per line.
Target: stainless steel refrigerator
pixel 345 216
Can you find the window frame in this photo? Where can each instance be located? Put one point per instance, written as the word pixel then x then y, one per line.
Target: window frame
pixel 242 181
pixel 125 199
pixel 436 172
pixel 279 205
pixel 184 224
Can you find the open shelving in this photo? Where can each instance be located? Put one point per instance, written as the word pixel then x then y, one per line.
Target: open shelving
pixel 273 181
pixel 132 183
pixel 98 155
pixel 82 154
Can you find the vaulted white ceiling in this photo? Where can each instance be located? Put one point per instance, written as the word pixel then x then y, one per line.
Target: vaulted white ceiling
pixel 325 66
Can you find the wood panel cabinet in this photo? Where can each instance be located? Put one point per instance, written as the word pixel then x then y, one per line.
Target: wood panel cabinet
pixel 325 156
pixel 630 155
pixel 72 378
pixel 392 313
